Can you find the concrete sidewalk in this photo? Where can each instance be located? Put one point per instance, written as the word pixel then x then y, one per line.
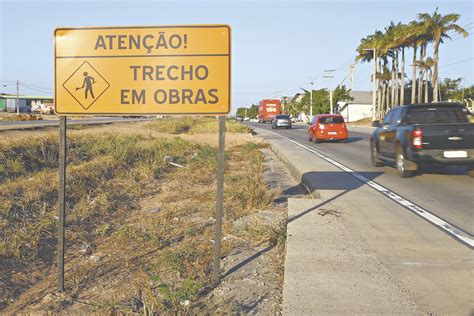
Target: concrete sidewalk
pixel 328 271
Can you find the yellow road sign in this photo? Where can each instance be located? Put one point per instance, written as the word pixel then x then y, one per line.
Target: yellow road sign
pixel 143 70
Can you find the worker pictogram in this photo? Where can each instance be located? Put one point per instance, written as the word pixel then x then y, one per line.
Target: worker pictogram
pixel 86 85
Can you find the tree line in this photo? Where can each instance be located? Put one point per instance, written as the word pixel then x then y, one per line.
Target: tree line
pixel 387 50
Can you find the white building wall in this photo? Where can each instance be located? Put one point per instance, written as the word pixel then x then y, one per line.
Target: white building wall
pixel 355 112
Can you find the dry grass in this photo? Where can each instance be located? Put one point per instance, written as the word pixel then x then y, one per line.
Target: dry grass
pixel 161 252
pixel 365 121
pixel 190 125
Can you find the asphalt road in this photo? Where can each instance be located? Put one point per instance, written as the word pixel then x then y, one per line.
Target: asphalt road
pixel 446 192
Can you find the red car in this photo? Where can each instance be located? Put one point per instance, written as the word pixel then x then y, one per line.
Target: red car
pixel 327 127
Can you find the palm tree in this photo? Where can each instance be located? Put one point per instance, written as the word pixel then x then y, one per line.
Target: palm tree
pixel 415 36
pixel 384 77
pixel 420 71
pixel 438 25
pixel 403 40
pixel 429 62
pixel 426 74
pixel 366 49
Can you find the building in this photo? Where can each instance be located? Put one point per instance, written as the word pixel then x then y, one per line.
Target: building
pixel 26 102
pixel 357 109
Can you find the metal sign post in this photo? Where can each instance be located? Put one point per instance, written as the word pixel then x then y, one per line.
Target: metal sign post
pixel 219 202
pixel 62 200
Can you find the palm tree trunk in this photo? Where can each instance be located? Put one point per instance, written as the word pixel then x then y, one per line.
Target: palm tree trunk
pixel 387 103
pixel 392 90
pixel 379 99
pixel 384 91
pixel 435 70
pixel 380 81
pixel 426 86
pixel 413 78
pixel 420 74
pixel 402 78
pixel 396 82
pixel 431 79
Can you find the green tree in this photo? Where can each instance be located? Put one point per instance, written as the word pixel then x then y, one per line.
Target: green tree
pixel 450 89
pixel 240 112
pixel 341 93
pixel 252 112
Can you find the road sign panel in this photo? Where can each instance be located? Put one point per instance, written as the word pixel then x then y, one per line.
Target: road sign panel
pixel 143 70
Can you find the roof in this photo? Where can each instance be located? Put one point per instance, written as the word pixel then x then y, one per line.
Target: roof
pixel 364 97
pixel 28 97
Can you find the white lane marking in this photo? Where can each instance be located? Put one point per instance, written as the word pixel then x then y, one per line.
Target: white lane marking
pixel 433 219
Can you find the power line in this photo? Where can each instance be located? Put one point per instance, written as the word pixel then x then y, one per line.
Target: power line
pixel 260 92
pixel 23 83
pixel 457 62
pixel 42 91
pixel 33 86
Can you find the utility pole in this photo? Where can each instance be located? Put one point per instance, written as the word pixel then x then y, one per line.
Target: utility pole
pixel 17 98
pixel 374 89
pixel 374 81
pixel 311 104
pixel 330 77
pixel 352 76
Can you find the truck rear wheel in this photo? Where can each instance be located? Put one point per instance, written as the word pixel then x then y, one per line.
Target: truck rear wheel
pixel 401 164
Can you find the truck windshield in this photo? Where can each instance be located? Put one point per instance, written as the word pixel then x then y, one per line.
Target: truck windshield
pixel 331 120
pixel 432 115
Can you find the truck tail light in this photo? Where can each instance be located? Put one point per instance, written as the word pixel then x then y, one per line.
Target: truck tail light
pixel 417 138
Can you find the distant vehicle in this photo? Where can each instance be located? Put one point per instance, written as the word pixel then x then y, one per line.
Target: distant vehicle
pixel 281 120
pixel 239 118
pixel 433 133
pixel 41 108
pixel 246 119
pixel 327 127
pixel 267 109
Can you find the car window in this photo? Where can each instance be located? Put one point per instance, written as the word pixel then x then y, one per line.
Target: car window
pixel 282 117
pixel 388 118
pixel 331 120
pixel 430 115
pixel 395 119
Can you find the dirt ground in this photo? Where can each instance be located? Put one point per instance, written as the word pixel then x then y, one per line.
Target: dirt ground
pixel 253 274
pixel 252 271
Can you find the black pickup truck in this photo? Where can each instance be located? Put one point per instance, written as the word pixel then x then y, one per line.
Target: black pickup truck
pixel 432 133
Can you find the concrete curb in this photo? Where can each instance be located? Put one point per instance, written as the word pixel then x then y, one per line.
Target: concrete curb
pixel 295 173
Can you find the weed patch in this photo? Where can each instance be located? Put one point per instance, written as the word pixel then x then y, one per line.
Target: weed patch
pixel 164 254
pixel 190 125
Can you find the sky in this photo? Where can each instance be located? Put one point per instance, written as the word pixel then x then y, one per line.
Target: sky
pixel 278 47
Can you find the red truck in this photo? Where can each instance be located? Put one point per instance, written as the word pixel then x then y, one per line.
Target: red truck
pixel 267 109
